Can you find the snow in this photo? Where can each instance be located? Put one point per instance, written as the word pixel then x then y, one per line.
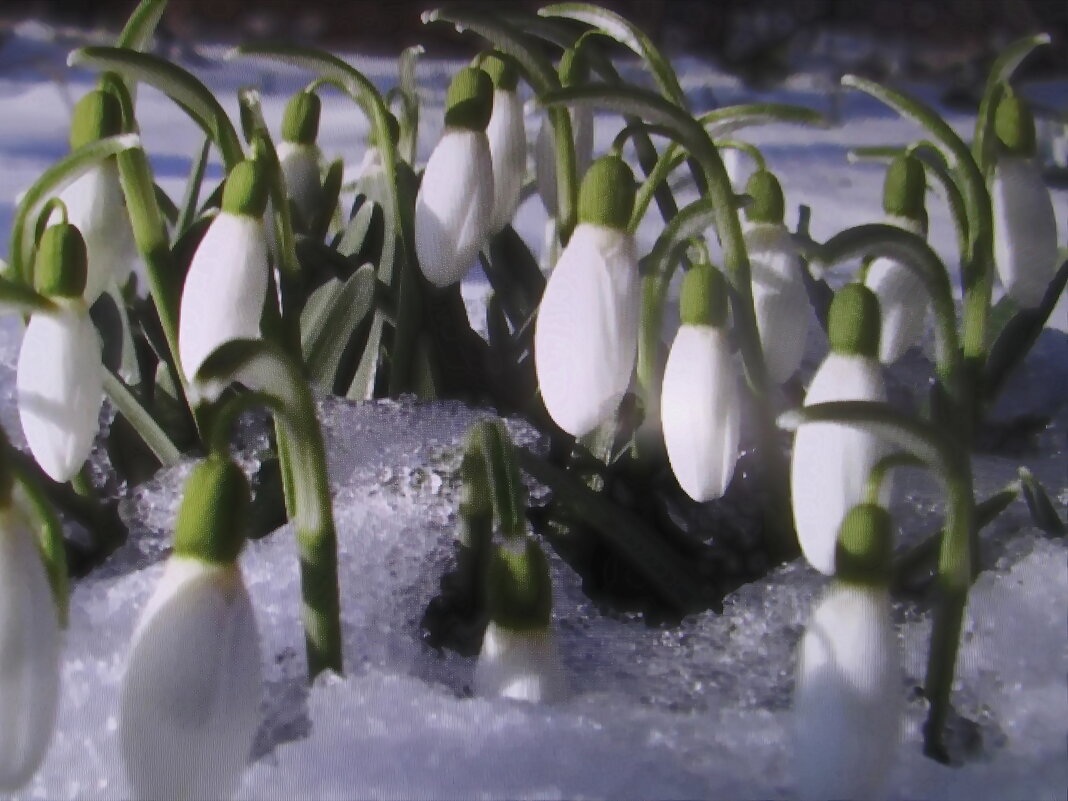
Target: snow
pixel 697 710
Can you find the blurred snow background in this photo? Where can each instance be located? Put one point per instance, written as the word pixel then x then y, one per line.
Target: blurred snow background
pixel 698 710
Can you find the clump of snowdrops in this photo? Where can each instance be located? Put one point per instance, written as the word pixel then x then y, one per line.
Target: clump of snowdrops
pixel 284 277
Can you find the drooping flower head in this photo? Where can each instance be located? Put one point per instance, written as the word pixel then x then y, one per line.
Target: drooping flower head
pixel 60 379
pixel 848 697
pixel 585 337
pixel 783 313
pixel 189 704
pixel 903 299
pixel 30 643
pixel 455 201
pixel 831 462
pixel 1025 231
pixel 299 156
pixel 574 71
pixel 95 202
pixel 226 285
pixel 700 405
pixel 507 140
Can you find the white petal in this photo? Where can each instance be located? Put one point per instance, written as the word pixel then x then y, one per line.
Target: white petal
pixel 96 205
pixel 30 643
pixel 779 298
pixel 522 665
pixel 903 304
pixel 508 148
pixel 300 168
pixel 224 290
pixel 586 334
pixel 1025 231
pixel 453 207
pixel 831 462
pixel 191 693
pixel 848 697
pixel 701 411
pixel 545 154
pixel 60 389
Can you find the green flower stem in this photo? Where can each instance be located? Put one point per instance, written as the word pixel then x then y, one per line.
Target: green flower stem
pixel 50 538
pixel 20 298
pixel 655 179
pixel 750 150
pixel 267 369
pixel 878 475
pixel 140 418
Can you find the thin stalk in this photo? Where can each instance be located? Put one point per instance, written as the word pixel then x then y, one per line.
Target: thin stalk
pixel 141 419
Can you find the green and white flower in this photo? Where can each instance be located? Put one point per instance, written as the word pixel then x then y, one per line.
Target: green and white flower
pixel 300 157
pixel 507 141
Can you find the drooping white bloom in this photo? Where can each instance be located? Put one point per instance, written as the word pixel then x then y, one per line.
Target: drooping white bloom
pixel 780 301
pixel 508 149
pixel 190 696
pixel 1025 231
pixel 300 169
pixel 545 154
pixel 522 665
pixel 30 643
pixel 701 411
pixel 847 701
pixel 97 207
pixel 60 388
pixel 453 207
pixel 586 334
pixel 225 288
pixel 831 462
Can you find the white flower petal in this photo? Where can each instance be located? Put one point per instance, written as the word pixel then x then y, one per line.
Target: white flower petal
pixel 453 207
pixel 545 154
pixel 903 304
pixel 60 389
pixel 1025 231
pixel 586 333
pixel 30 643
pixel 830 465
pixel 225 289
pixel 191 693
pixel 522 665
pixel 847 701
pixel 779 298
pixel 300 168
pixel 96 205
pixel 701 411
pixel 508 148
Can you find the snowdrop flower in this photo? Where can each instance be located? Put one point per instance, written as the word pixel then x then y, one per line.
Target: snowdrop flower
pixel 519 658
pixel 847 698
pixel 226 285
pixel 573 71
pixel 903 300
pixel 190 696
pixel 700 402
pixel 586 333
pixel 783 313
pixel 1025 231
pixel 507 141
pixel 831 462
pixel 30 642
pixel 455 201
pixel 95 201
pixel 299 156
pixel 60 376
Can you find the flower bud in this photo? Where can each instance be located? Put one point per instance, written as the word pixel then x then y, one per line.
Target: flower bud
pixel 1014 125
pixel 864 551
pixel 62 262
pixel 519 592
pixel 245 192
pixel 469 101
pixel 853 323
pixel 300 122
pixel 768 204
pixel 97 115
pixel 905 188
pixel 703 298
pixel 214 511
pixel 606 195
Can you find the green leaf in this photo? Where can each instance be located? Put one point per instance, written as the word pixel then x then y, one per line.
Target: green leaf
pixel 329 319
pixel 119 353
pixel 140 418
pixel 724 121
pixel 53 547
pixel 1043 512
pixel 329 198
pixel 179 85
pixel 53 181
pixel 362 238
pixel 188 211
pixel 141 25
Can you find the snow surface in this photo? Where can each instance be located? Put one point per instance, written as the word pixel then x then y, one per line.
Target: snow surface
pixel 698 710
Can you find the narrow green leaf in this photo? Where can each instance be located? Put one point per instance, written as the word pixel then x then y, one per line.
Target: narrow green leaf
pixel 140 418
pixel 724 121
pixel 141 25
pixel 328 320
pixel 330 198
pixel 50 540
pixel 188 210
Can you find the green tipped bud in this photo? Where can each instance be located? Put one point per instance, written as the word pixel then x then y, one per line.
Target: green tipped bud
pixel 905 188
pixel 96 116
pixel 502 72
pixel 213 516
pixel 865 546
pixel 704 296
pixel 300 123
pixel 519 592
pixel 246 190
pixel 853 322
pixel 768 204
pixel 574 68
pixel 1014 125
pixel 62 262
pixel 606 196
pixel 469 102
